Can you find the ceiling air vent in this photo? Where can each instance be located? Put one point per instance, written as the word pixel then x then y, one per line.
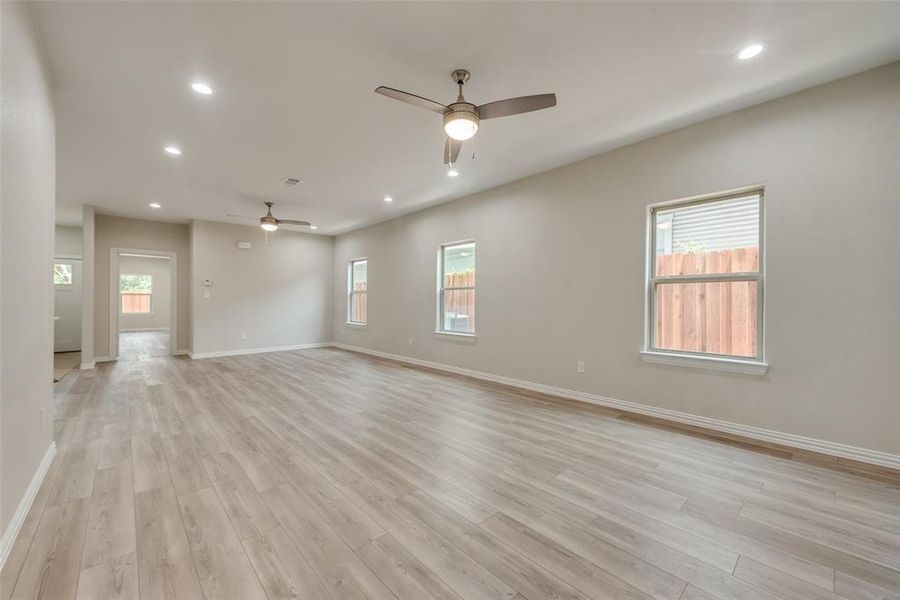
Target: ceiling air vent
pixel 290 181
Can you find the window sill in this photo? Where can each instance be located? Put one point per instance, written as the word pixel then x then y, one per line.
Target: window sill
pixel 453 335
pixel 716 363
pixel 357 325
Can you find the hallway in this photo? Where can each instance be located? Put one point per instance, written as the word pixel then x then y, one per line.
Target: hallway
pixel 136 344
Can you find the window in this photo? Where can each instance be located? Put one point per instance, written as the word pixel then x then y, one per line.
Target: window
pixel 456 295
pixel 136 292
pixel 358 291
pixel 705 285
pixel 62 274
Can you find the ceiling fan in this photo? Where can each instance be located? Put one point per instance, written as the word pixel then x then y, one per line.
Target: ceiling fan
pixel 269 222
pixel 461 118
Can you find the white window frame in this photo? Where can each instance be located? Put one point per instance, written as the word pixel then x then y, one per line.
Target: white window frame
pixel 439 329
pixel 351 292
pixel 149 312
pixel 65 263
pixel 755 365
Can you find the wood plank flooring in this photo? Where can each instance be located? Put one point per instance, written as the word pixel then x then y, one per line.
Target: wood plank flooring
pixel 136 344
pixel 326 474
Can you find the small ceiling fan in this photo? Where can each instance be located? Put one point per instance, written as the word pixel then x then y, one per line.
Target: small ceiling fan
pixel 461 118
pixel 269 222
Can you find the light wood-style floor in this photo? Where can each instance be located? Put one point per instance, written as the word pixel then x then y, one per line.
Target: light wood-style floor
pixel 326 474
pixel 63 362
pixel 136 344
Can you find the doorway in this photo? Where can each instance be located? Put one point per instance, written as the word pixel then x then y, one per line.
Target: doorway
pixel 143 294
pixel 67 300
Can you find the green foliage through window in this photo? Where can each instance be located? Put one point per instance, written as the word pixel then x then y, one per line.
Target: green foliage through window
pixel 62 274
pixel 135 284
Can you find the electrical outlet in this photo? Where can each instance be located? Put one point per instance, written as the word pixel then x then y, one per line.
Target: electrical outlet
pixel 579 366
pixel 207 294
pixel 243 335
pixel 409 341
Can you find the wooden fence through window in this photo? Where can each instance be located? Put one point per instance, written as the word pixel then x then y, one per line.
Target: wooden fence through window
pixel 718 318
pixel 359 303
pixel 135 304
pixel 460 303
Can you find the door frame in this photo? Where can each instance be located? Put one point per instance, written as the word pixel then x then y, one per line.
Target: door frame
pixel 114 296
pixel 62 257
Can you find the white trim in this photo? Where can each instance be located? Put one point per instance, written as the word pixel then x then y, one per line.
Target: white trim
pixel 651 280
pixel 67 257
pixel 136 329
pixel 456 335
pixel 86 366
pixel 873 457
pixel 700 361
pixel 351 291
pixel 739 191
pixel 357 324
pixel 440 319
pixel 15 524
pixel 197 355
pixel 103 359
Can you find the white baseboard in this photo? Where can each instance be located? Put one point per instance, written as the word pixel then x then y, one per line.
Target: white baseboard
pixel 100 359
pixel 184 352
pixel 88 365
pixel 138 329
pixel 873 457
pixel 12 530
pixel 196 355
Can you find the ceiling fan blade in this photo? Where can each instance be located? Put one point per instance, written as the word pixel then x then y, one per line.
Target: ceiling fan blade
pixel 515 106
pixel 451 150
pixel 412 99
pixel 292 222
pixel 242 217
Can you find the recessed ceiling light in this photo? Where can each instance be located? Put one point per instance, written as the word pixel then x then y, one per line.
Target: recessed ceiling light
pixel 452 173
pixel 172 150
pixel 202 88
pixel 750 51
pixel 313 226
pixel 155 205
pixel 388 199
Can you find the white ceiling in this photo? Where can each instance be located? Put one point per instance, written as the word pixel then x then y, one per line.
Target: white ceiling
pixel 294 93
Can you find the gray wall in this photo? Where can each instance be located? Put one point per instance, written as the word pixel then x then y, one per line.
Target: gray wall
pixel 136 234
pixel 28 192
pixel 278 293
pixel 561 267
pixel 68 240
pixel 160 269
pixel 87 293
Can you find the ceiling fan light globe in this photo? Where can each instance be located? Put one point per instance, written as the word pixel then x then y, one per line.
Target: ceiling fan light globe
pixel 461 126
pixel 267 226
